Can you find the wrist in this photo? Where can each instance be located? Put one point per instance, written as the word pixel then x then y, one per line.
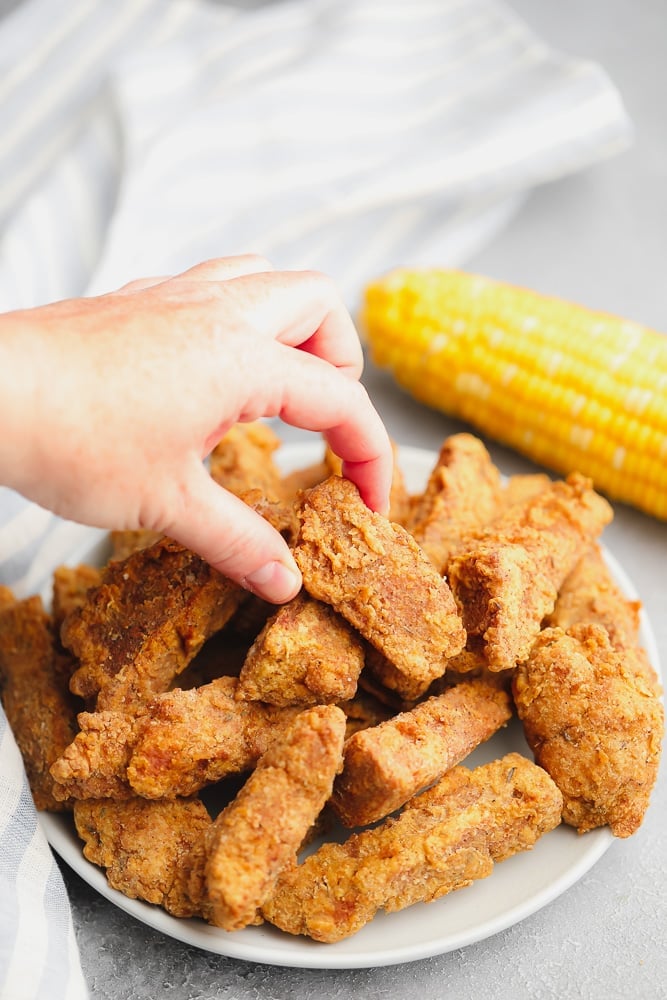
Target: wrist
pixel 20 362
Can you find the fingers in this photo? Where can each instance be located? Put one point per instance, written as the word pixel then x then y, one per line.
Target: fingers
pixel 309 393
pixel 221 269
pixel 235 540
pixel 303 309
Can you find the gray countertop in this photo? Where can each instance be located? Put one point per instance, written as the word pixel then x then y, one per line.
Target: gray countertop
pixel 599 238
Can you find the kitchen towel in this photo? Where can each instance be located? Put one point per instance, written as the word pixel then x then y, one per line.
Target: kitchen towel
pixel 141 136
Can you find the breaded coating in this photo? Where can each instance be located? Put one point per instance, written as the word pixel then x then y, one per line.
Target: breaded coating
pixel 594 724
pixel 70 586
pixel 243 460
pixel 6 597
pixel 145 622
pixel 462 494
pixel 185 739
pixel 590 594
pixel 306 654
pixel 193 738
pixel 362 711
pixel 94 764
pixel 260 831
pixel 298 480
pixel 506 579
pixel 443 840
pixel 145 847
pixel 519 488
pixel 125 542
pixel 374 574
pixel 34 694
pixel 386 765
pixel 399 498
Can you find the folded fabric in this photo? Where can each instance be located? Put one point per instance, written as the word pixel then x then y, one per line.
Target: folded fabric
pixel 142 136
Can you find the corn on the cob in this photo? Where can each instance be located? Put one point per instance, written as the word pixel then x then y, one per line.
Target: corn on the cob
pixel 571 388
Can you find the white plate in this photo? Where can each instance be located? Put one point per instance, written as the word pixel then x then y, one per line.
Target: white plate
pixel 517 888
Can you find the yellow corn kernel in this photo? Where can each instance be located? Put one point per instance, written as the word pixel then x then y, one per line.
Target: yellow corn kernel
pixel 568 387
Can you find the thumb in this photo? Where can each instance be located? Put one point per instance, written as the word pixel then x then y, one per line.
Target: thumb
pixel 235 540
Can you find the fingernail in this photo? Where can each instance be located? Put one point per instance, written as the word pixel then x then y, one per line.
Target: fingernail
pixel 275 582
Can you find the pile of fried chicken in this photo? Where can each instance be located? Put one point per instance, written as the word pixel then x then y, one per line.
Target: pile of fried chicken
pixel 202 737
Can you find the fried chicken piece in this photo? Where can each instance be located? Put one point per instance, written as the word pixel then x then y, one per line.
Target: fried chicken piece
pixel 363 711
pixel 145 847
pixel 145 622
pixel 6 597
pixel 443 840
pixel 193 738
pixel 94 764
pixel 594 724
pixel 295 482
pixel 185 739
pixel 506 579
pixel 522 487
pixel 462 493
pixel 125 542
pixel 70 586
pixel 399 498
pixel 243 460
pixel 306 654
pixel 386 765
pixel 33 689
pixel 590 594
pixel 374 574
pixel 260 831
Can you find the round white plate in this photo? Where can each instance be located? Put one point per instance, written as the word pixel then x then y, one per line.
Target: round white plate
pixel 517 888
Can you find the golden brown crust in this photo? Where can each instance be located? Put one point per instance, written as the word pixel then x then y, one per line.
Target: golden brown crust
pixel 594 724
pixel 260 831
pixel 144 623
pixel 506 579
pixel 386 765
pixel 306 654
pixel 145 847
pixel 33 688
pixel 462 494
pixel 243 460
pixel 375 575
pixel 70 586
pixel 125 542
pixel 443 840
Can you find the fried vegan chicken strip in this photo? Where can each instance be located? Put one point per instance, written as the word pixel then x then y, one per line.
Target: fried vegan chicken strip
pixel 243 460
pixel 444 839
pixel 594 724
pixel 388 764
pixel 185 739
pixel 33 689
pixel 506 578
pixel 462 493
pixel 373 573
pixel 145 847
pixel 144 623
pixel 306 654
pixel 70 586
pixel 260 831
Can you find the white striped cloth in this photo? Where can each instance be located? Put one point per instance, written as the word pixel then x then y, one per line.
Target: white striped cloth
pixel 141 136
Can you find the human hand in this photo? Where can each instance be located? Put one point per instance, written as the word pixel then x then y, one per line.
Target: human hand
pixel 112 403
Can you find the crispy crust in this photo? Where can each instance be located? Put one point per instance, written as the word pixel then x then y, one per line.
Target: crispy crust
pixel 506 579
pixel 387 764
pixel 306 654
pixel 260 831
pixel 374 574
pixel 443 840
pixel 33 686
pixel 594 724
pixel 144 623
